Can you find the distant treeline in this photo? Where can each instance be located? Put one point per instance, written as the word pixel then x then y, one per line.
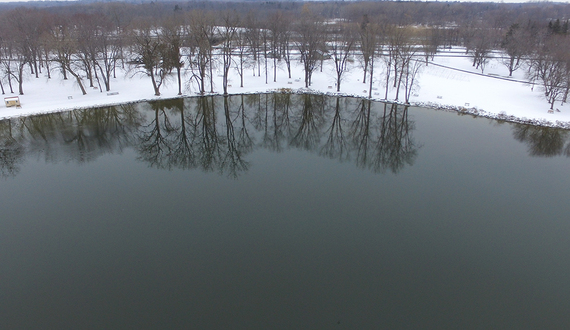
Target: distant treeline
pixel 498 15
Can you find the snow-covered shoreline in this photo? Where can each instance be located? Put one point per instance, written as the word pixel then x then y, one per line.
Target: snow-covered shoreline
pixel 453 85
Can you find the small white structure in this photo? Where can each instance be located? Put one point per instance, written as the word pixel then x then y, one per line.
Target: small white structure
pixel 12 101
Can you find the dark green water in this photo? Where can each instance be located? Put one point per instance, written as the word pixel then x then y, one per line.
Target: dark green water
pixel 282 212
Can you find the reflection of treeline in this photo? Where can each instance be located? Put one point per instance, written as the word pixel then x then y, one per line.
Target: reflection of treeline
pixel 215 133
pixel 206 133
pixel 543 141
pixel 80 135
pixel 345 129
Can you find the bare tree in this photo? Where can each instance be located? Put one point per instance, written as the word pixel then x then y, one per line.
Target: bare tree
pixel 7 45
pixel 431 41
pixel 515 44
pixel 549 65
pixel 341 46
pixel 374 31
pixel 27 24
pixel 367 39
pixel 64 45
pixel 107 51
pixel 173 36
pixel 230 21
pixel 407 67
pixel 265 37
pixel 311 34
pixel 398 44
pixel 241 48
pixel 481 45
pixel 21 37
pixel 390 57
pixel 411 71
pixel 253 35
pixel 2 60
pixel 86 27
pixel 148 51
pixel 16 64
pixel 286 42
pixel 276 25
pixel 201 36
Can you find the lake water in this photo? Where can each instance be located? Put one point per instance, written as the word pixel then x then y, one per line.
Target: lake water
pixel 281 211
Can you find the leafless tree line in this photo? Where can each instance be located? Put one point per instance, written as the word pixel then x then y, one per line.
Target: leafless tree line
pixel 89 46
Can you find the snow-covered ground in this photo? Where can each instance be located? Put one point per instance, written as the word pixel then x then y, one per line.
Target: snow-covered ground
pixel 439 86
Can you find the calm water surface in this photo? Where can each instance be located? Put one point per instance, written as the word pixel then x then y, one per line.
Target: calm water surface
pixel 282 212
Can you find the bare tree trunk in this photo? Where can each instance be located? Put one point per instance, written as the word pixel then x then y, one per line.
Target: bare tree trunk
pixel 64 72
pixel 241 69
pixel 371 76
pixel 211 72
pixel 265 57
pixel 78 79
pixel 154 85
pixel 179 80
pixel 47 64
pixel 9 73
pixel 20 79
pixel 388 70
pixel 36 66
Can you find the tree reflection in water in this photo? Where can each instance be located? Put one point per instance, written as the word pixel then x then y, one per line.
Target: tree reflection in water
pixel 11 150
pixel 336 145
pixel 543 141
pixel 382 140
pixel 182 154
pixel 309 120
pixel 271 117
pixel 360 132
pixel 188 134
pixel 232 161
pixel 395 145
pixel 206 134
pixel 154 143
pixel 79 136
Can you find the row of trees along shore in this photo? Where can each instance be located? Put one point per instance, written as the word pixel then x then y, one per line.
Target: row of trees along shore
pixel 89 42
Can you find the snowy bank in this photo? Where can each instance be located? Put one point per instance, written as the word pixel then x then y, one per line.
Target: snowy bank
pixel 449 83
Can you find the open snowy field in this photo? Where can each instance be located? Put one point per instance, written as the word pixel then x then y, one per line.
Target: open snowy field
pixel 440 85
